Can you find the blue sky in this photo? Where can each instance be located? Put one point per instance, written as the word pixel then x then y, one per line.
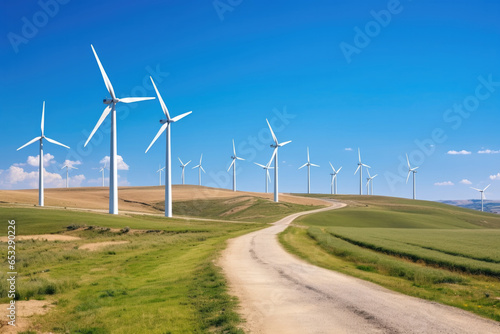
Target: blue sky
pixel 423 79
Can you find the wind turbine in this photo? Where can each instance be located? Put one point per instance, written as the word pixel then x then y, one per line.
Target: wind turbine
pixel 200 168
pixel 276 145
pixel 360 168
pixel 334 179
pixel 267 168
pixel 102 170
pixel 183 165
pixel 308 164
pixel 482 195
pixel 68 167
pixel 414 171
pixel 111 108
pixel 233 164
pixel 40 157
pixel 159 171
pixel 369 180
pixel 168 165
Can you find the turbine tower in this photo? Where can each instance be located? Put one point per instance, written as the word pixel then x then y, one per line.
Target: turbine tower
pixel 102 170
pixel 360 168
pixel 166 126
pixel 200 168
pixel 334 179
pixel 482 195
pixel 68 167
pixel 308 164
pixel 40 157
pixel 111 108
pixel 276 145
pixel 414 171
pixel 369 181
pixel 233 164
pixel 159 171
pixel 183 165
pixel 266 168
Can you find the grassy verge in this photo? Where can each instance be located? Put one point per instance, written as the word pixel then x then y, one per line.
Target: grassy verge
pixel 162 280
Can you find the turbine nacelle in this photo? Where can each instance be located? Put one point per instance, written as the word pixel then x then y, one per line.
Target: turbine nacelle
pixel 163 121
pixel 110 101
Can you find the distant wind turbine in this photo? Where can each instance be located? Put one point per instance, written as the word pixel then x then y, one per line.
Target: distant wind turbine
pixel 183 165
pixel 334 179
pixel 40 157
pixel 308 164
pixel 68 167
pixel 276 145
pixel 266 168
pixel 233 164
pixel 369 181
pixel 200 168
pixel 159 171
pixel 102 170
pixel 360 168
pixel 166 126
pixel 414 171
pixel 483 197
pixel 111 108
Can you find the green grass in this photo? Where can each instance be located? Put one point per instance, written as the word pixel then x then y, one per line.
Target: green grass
pixel 424 249
pixel 159 282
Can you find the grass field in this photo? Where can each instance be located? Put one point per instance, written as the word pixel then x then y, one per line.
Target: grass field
pixel 425 249
pixel 161 280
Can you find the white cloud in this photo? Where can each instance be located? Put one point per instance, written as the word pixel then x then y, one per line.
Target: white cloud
pixel 495 177
pixel 48 159
pixel 462 152
pixel 488 151
pixel 348 149
pixel 465 181
pixel 17 176
pixel 71 163
pixel 76 181
pixel 121 165
pixel 445 183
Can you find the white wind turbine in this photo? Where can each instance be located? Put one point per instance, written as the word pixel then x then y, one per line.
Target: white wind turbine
pixel 68 167
pixel 483 197
pixel 102 170
pixel 360 168
pixel 266 168
pixel 200 168
pixel 334 179
pixel 276 145
pixel 183 165
pixel 111 108
pixel 414 171
pixel 369 181
pixel 40 157
pixel 159 171
pixel 308 164
pixel 233 164
pixel 168 165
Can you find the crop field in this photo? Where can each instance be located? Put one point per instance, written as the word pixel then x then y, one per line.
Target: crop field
pixel 425 249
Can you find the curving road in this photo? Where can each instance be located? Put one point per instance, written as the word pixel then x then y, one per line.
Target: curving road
pixel 280 293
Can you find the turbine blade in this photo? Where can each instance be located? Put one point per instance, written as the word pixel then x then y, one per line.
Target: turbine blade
pixel 30 142
pixel 260 165
pixel 195 166
pixel 268 177
pixel 272 132
pixel 374 176
pixel 487 187
pixel 283 144
pixel 339 170
pixel 201 157
pixel 176 118
pixel 308 154
pixel 180 160
pixel 359 166
pixel 368 171
pixel 303 166
pixel 187 163
pixel 231 165
pixel 104 75
pixel 163 106
pixel 234 149
pixel 475 189
pixel 272 156
pixel 202 169
pixel 99 122
pixel 135 99
pixel 163 127
pixel 359 155
pixel 408 161
pixel 314 165
pixel 408 176
pixel 331 166
pixel 366 166
pixel 42 126
pixel 55 142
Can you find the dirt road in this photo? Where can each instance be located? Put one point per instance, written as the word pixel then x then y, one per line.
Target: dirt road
pixel 280 293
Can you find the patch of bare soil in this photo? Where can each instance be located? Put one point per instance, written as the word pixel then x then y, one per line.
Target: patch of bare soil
pixel 43 237
pixel 25 310
pixel 98 245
